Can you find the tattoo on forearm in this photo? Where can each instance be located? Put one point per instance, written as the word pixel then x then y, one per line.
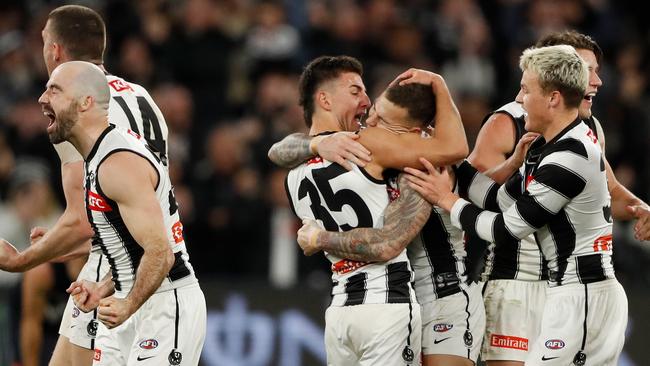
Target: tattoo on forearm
pixel 403 220
pixel 291 151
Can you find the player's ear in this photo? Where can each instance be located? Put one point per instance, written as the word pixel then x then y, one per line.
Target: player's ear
pixel 85 104
pixel 57 52
pixel 323 100
pixel 555 99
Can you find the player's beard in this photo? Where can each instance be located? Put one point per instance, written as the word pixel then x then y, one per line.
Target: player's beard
pixel 65 121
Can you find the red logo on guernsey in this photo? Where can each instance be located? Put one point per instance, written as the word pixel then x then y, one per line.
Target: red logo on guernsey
pixel 529 179
pixel 504 341
pixel 98 355
pixel 603 243
pixel 97 202
pixel 592 136
pixel 177 232
pixel 119 85
pixel 346 266
pixel 132 133
pixel 315 160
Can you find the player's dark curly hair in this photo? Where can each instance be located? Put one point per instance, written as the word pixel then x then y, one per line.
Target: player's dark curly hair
pixel 418 99
pixel 574 39
pixel 318 71
pixel 80 30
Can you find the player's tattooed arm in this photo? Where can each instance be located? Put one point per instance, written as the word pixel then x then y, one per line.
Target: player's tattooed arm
pixel 403 220
pixel 341 148
pixel 291 151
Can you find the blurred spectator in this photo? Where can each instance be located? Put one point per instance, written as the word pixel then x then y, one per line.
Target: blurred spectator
pixel 30 202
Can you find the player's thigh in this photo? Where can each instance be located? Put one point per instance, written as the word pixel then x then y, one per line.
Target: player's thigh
pixel 513 312
pixel 392 334
pixel 446 360
pixel 338 345
pixel 454 325
pixel 606 323
pixel 108 348
pixel 171 328
pixel 561 334
pixel 68 354
pixel 504 363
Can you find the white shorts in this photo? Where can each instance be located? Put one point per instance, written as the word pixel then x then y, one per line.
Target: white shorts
pixel 562 340
pixel 454 325
pixel 513 312
pixel 79 327
pixel 169 329
pixel 373 334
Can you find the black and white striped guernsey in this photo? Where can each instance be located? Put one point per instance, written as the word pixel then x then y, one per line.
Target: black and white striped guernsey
pixel 111 234
pixel 342 200
pixel 437 255
pixel 517 259
pixel 560 194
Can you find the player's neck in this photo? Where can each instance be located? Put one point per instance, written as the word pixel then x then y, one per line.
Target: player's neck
pixel 322 122
pixel 560 122
pixel 86 133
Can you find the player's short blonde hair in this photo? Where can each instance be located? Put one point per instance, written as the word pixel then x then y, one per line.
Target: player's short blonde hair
pixel 558 68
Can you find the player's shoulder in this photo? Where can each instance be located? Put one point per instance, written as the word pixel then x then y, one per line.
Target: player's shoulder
pixel 119 85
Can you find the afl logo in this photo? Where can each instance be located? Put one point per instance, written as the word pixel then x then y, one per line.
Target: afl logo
pixel 441 328
pixel 148 344
pixel 75 312
pixel 554 344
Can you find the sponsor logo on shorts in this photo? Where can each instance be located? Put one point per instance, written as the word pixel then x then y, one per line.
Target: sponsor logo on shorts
pixel 148 344
pixel 504 341
pixel 544 358
pixel 436 341
pixel 407 354
pixel 98 354
pixel 554 344
pixel 75 312
pixel 175 357
pixel 92 328
pixel 442 327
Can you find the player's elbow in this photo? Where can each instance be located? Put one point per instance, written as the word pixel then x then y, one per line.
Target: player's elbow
pixel 391 251
pixel 273 154
pixel 458 152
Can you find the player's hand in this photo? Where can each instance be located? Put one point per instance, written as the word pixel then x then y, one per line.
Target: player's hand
pixel 8 256
pixel 519 155
pixel 36 234
pixel 113 311
pixel 434 184
pixel 422 77
pixel 308 237
pixel 342 148
pixel 642 224
pixel 85 294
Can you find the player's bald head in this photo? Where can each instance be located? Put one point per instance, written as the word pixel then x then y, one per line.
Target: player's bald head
pixel 84 79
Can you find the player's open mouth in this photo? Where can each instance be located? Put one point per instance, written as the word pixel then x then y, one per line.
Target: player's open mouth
pixel 589 97
pixel 49 113
pixel 360 118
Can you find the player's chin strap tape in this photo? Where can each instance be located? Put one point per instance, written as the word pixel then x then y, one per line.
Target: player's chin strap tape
pixel 581 358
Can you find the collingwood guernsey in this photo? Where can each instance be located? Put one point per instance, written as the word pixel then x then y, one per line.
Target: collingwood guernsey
pixel 342 200
pixel 564 202
pixel 112 237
